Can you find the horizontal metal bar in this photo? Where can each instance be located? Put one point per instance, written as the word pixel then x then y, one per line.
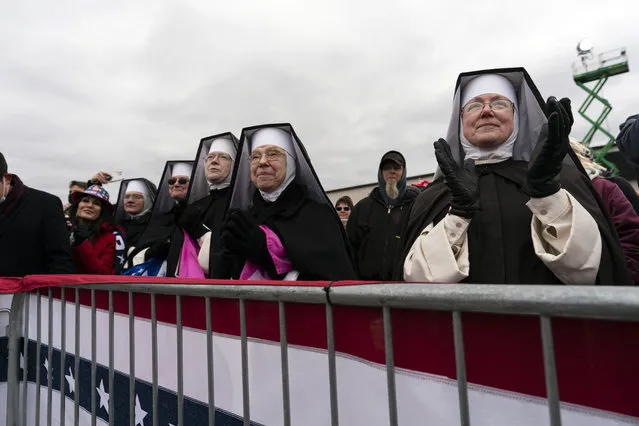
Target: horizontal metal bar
pixel 310 294
pixel 620 303
pixel 569 301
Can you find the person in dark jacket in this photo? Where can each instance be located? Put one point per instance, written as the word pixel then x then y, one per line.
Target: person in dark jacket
pixel 280 224
pixel 95 239
pixel 374 227
pixel 33 232
pixel 628 141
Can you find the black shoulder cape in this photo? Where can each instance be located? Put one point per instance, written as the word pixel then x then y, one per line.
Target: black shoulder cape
pixel 163 228
pixel 314 239
pixel 500 245
pixel 213 208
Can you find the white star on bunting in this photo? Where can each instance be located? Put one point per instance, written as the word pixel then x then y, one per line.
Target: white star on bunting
pixel 70 381
pixel 104 397
pixel 140 414
pixel 46 365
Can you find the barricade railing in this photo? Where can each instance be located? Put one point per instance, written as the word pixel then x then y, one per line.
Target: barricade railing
pixel 544 302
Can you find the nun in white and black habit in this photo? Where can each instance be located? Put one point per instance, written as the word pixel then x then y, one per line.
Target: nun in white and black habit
pixel 208 197
pixel 133 209
pixel 510 203
pixel 162 238
pixel 280 223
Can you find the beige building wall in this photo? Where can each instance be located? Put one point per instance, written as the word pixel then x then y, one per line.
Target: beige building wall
pixel 361 191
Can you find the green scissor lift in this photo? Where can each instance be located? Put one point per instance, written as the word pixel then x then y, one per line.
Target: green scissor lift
pixel 598 69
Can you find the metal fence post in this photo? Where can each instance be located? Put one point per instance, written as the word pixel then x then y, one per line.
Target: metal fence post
pixel 13 332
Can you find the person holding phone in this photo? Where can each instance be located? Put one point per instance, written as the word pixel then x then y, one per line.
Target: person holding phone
pixel 94 237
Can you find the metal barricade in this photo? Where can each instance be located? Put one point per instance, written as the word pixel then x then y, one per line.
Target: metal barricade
pixel 544 302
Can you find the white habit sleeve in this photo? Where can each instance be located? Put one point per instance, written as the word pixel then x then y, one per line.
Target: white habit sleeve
pixel 203 256
pixel 440 253
pixel 566 238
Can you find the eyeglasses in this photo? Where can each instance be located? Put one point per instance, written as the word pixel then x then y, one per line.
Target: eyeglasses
pixel 272 155
pixel 495 105
pixel 219 155
pixel 340 208
pixel 181 181
pixel 134 197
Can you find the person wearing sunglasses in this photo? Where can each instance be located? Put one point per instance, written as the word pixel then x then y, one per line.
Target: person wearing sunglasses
pixel 162 239
pixel 510 202
pixel 374 226
pixel 343 207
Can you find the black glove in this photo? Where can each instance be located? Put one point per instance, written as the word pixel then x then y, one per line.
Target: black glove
pixel 462 182
pixel 158 249
pixel 543 171
pixel 80 235
pixel 190 220
pixel 242 235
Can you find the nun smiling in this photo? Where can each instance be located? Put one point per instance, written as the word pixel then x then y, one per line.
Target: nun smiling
pixel 280 224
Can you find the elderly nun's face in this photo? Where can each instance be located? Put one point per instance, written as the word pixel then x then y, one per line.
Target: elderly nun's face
pixel 268 167
pixel 488 120
pixel 133 202
pixel 217 167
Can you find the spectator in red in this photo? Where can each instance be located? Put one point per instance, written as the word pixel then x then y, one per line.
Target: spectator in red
pixel 92 238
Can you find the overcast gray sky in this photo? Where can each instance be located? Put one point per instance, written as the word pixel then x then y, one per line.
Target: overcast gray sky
pixel 127 85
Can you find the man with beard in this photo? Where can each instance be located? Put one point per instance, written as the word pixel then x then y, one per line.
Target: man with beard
pixel 510 203
pixel 281 225
pixel 202 220
pixel 374 227
pixel 133 209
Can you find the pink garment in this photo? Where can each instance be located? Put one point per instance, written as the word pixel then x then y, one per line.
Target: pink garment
pixel 625 220
pixel 189 264
pixel 278 254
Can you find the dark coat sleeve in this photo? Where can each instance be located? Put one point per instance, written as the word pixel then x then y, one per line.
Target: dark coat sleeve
pixel 316 244
pixel 56 248
pixel 628 140
pixel 625 220
pixel 356 230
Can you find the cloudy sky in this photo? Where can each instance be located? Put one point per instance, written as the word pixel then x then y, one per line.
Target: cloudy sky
pixel 126 85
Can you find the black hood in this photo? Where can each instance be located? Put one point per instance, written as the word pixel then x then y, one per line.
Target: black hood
pixel 396 157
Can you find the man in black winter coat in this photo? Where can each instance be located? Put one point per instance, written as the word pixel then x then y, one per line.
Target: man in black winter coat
pixel 33 233
pixel 374 226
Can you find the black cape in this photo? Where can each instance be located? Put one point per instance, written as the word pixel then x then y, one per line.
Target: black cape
pixel 213 208
pixel 163 228
pixel 313 238
pixel 134 227
pixel 500 244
